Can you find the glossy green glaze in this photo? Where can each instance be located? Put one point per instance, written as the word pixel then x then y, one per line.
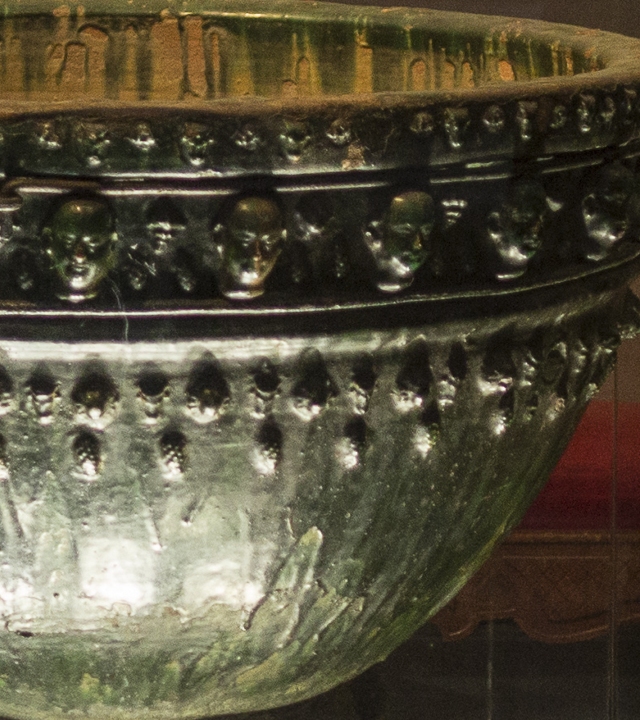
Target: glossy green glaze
pixel 300 306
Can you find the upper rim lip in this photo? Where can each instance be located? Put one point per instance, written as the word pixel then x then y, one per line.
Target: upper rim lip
pixel 618 68
pixel 619 54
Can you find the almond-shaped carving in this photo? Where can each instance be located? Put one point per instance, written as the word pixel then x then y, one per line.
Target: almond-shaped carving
pixel 427 431
pixel 351 447
pixel 4 460
pixel 95 397
pixel 207 392
pixel 498 370
pixel 315 387
pixel 43 395
pixel 6 392
pixel 87 455
pixel 153 391
pixel 415 379
pixel 450 380
pixel 173 454
pixel 266 384
pixel 268 451
pixel 363 381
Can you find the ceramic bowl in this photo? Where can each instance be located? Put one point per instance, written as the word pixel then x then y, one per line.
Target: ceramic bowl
pixel 300 306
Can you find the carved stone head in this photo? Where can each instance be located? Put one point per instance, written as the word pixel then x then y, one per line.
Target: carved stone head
pixel 196 144
pixel 249 241
pixel 91 143
pixel 605 211
pixel 165 223
pixel 514 229
pixel 400 242
pixel 80 241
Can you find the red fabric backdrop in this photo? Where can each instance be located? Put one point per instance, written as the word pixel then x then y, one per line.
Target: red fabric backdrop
pixel 578 495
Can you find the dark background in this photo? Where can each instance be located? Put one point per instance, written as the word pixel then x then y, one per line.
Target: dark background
pixel 622 16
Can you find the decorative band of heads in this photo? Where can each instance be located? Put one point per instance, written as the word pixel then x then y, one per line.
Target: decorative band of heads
pixel 78 245
pixel 338 140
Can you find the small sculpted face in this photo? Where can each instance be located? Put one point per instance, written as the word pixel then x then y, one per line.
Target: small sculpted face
pixel 91 142
pixel 165 225
pixel 162 237
pixel 196 144
pixel 514 230
pixel 81 242
pixel 249 243
pixel 615 188
pixel 605 211
pixel 400 242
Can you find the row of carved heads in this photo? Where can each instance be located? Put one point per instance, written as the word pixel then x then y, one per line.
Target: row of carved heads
pixel 81 242
pixel 200 145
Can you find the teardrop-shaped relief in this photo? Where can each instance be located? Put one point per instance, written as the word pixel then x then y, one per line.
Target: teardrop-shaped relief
pixel 207 392
pixel 363 381
pixel 266 384
pixel 4 460
pixel 267 454
pixel 427 431
pixel 6 392
pixel 498 375
pixel 315 387
pixel 351 448
pixel 602 359
pixel 87 455
pixel 453 376
pixel 95 398
pixel 173 454
pixel 43 395
pixel 415 380
pixel 549 366
pixel 153 392
pixel 498 370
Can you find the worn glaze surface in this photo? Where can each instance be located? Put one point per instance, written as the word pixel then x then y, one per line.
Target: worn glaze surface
pixel 300 307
